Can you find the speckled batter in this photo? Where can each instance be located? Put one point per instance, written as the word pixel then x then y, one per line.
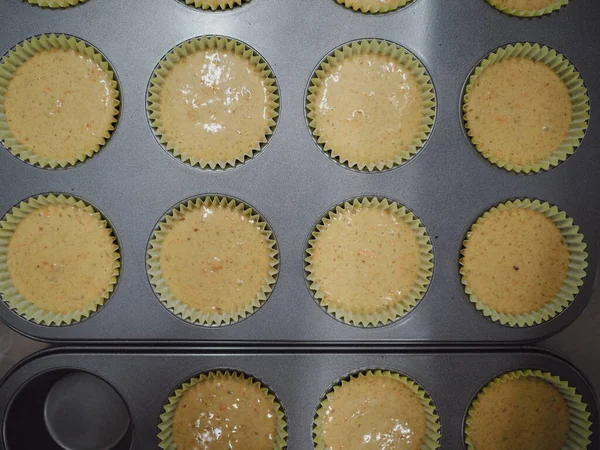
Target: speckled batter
pixel 373 412
pixel 515 261
pixel 366 259
pixel 215 259
pixel 214 106
pixel 523 413
pixel 524 5
pixel 60 258
pixel 519 111
pixel 59 104
pixel 224 413
pixel 370 5
pixel 368 109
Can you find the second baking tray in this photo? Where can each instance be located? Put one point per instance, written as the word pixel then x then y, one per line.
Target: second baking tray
pixel 145 379
pixel 292 183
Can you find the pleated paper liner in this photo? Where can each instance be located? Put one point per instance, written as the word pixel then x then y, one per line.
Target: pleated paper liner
pixel 180 308
pixel 187 48
pixel 165 435
pixel 573 280
pixel 579 426
pixel 13 298
pixel 502 6
pixel 214 5
pixel 577 93
pixel 408 61
pixel 362 6
pixel 14 59
pixel 55 3
pixel 404 304
pixel 432 436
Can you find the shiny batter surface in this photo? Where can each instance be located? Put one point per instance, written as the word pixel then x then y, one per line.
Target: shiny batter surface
pixel 368 109
pixel 524 5
pixel 60 258
pixel 215 259
pixel 519 111
pixel 224 413
pixel 59 104
pixel 515 261
pixel 365 259
pixel 215 106
pixel 373 412
pixel 524 413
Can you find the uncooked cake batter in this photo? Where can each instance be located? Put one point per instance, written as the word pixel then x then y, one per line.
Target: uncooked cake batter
pixel 368 109
pixel 366 259
pixel 215 106
pixel 60 258
pixel 223 413
pixel 523 413
pixel 515 261
pixel 524 5
pixel 215 259
pixel 370 5
pixel 373 412
pixel 59 104
pixel 519 111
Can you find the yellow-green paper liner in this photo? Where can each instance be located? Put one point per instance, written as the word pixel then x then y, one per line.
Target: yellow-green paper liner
pixel 9 293
pixel 165 435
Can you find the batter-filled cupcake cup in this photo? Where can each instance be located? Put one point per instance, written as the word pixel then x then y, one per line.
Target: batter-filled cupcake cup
pixel 55 3
pixel 213 102
pixel 220 408
pixel 59 260
pixel 374 6
pixel 214 5
pixel 370 105
pixel 59 101
pixel 213 260
pixel 523 262
pixel 528 409
pixel 528 8
pixel 526 108
pixel 369 261
pixel 376 403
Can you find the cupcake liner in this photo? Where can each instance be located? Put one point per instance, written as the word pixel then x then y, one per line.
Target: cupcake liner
pixel 177 306
pixel 555 6
pixel 404 57
pixel 9 293
pixel 579 427
pixel 410 300
pixel 357 5
pixel 185 49
pixel 577 92
pixel 573 280
pixel 212 5
pixel 55 3
pixel 11 61
pixel 432 420
pixel 165 435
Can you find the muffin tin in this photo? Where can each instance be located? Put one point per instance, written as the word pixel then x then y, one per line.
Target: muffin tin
pixel 145 378
pixel 290 343
pixel 133 181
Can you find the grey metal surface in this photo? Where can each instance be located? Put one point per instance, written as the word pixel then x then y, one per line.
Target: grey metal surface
pixel 292 183
pixel 300 380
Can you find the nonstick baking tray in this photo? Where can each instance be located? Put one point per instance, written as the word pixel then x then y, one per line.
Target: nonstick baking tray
pixel 146 378
pixel 292 183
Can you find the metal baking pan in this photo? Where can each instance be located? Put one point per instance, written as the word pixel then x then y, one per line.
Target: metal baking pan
pixel 292 183
pixel 146 378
